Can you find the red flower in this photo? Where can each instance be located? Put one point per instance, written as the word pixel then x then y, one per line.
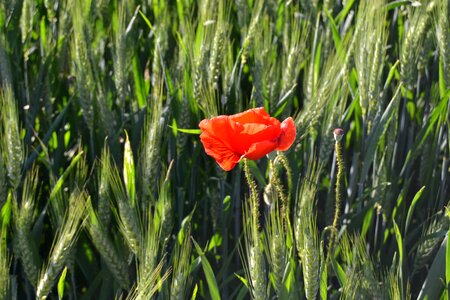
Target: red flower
pixel 250 134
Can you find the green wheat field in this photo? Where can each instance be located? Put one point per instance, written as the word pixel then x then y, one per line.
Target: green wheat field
pixel 106 191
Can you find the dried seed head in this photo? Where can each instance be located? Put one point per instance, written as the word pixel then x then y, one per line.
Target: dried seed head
pixel 338 134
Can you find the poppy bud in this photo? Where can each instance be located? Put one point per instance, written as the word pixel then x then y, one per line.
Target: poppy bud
pixel 338 134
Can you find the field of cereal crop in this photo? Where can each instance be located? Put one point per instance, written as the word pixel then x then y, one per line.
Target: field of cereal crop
pixel 219 149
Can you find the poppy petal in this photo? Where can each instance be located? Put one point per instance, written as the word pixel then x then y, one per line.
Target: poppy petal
pixel 254 115
pixel 253 128
pixel 224 130
pixel 288 134
pixel 218 150
pixel 253 133
pixel 260 149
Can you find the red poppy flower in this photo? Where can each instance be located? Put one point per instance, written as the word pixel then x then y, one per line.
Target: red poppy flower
pixel 250 134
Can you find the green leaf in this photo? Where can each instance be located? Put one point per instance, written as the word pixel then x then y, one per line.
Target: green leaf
pixel 129 171
pixel 344 12
pixel 411 208
pixel 61 282
pixel 190 131
pixel 6 215
pixel 437 115
pixel 56 124
pixel 367 222
pixel 395 4
pixel 447 264
pixel 146 20
pixel 209 273
pixel 398 237
pixel 216 241
pixel 335 31
pixel 434 283
pixel 242 279
pixel 376 133
pixel 194 293
pixel 226 203
pixel 139 83
pixel 65 175
pixel 340 273
pixel 323 276
pixel 442 83
pixel 391 75
pixel 242 293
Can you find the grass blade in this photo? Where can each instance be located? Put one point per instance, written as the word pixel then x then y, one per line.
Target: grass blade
pixel 209 273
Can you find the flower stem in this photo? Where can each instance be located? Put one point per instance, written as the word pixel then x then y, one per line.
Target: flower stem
pixel 338 133
pixel 275 181
pixel 284 162
pixel 340 172
pixel 253 195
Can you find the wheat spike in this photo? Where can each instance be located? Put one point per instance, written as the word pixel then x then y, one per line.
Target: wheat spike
pixel 248 41
pixel 82 65
pixel 254 262
pixel 215 60
pixel 184 121
pixel 362 280
pixel 429 242
pixel 103 202
pixel 180 274
pixel 23 221
pixel 99 236
pixel 306 233
pixel 277 248
pixel 443 37
pixel 12 142
pixel 5 64
pixel 62 245
pixel 164 208
pixel 120 57
pixel 257 269
pixel 412 42
pixel 151 284
pixel 26 18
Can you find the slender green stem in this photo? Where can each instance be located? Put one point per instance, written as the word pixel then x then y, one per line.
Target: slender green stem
pixel 275 181
pixel 253 195
pixel 339 177
pixel 284 162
